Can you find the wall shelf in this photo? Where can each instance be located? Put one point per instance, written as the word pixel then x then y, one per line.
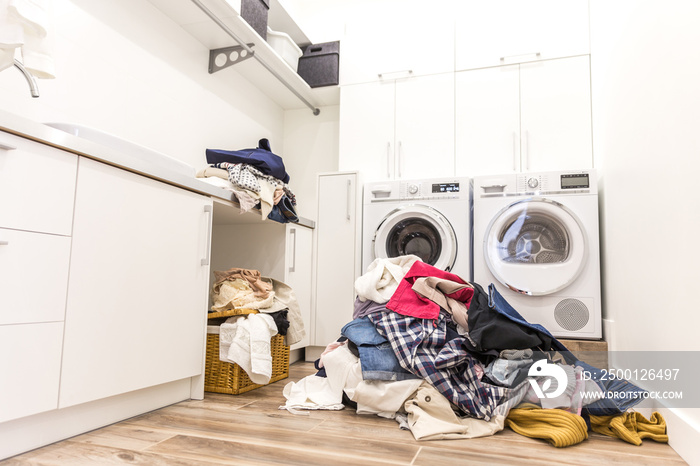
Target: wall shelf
pixel 268 71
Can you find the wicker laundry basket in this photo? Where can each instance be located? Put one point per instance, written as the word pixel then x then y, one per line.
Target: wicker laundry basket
pixel 225 377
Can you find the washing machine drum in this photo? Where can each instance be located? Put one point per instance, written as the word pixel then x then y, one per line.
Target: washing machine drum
pixel 536 246
pixel 419 230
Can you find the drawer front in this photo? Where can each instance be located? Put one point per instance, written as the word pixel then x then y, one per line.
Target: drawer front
pixel 33 276
pixel 30 362
pixel 37 186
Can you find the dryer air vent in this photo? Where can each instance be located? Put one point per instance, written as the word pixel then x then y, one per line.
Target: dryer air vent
pixel 571 314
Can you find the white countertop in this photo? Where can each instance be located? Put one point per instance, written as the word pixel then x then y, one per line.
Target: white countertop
pixel 44 134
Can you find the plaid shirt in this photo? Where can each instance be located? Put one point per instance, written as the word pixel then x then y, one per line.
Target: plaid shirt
pixel 422 348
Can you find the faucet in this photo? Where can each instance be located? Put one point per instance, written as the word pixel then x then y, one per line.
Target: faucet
pixel 33 88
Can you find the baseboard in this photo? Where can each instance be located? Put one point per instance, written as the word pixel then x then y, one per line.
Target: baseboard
pixel 683 431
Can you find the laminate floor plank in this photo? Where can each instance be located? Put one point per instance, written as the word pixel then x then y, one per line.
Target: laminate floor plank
pixel 250 429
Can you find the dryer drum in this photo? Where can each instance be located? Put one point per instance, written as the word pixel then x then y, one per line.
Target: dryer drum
pixel 414 236
pixel 535 238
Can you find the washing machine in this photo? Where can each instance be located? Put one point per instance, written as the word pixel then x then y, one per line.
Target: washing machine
pixel 536 238
pixel 430 218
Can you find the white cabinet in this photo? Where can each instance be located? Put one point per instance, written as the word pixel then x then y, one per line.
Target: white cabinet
pixel 337 253
pixel 532 116
pixel 502 32
pixel 391 40
pixel 402 128
pixel 137 290
pixel 37 189
pixel 280 251
pixel 30 362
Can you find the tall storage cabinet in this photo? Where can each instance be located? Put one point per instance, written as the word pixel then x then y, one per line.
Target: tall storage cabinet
pixel 399 128
pixel 137 288
pixel 338 254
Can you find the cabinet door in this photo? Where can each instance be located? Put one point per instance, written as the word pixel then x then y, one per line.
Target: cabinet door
pixel 367 129
pixel 392 40
pixel 556 114
pixel 425 126
pixel 33 276
pixel 502 32
pixel 487 121
pixel 30 362
pixel 336 263
pixel 298 266
pixel 37 186
pixel 137 292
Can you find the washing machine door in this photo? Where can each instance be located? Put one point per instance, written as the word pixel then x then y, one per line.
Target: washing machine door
pixel 535 246
pixel 419 230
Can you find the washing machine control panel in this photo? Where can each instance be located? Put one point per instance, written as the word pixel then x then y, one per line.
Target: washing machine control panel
pixel 429 189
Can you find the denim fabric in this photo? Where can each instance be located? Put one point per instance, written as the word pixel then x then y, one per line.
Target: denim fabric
pixel 276 215
pixel 377 358
pixel 611 404
pixel 286 206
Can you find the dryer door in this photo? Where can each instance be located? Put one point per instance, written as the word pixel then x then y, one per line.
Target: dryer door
pixel 419 230
pixel 536 246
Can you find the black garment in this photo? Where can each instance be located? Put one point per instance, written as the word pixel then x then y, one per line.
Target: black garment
pixel 280 318
pixel 490 330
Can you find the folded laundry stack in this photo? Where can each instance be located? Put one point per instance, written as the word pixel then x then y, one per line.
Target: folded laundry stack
pixel 257 178
pixel 448 359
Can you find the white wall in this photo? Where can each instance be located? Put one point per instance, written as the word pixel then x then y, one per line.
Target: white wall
pixel 645 65
pixel 125 68
pixel 310 147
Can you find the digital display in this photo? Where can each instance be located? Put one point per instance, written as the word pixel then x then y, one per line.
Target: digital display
pixel 575 181
pixel 445 187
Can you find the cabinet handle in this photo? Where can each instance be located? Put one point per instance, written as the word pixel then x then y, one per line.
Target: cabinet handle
pixel 383 75
pixel 347 207
pixel 208 210
pixel 388 159
pixel 527 150
pixel 6 146
pixel 4 243
pixel 400 159
pixel 536 54
pixel 293 231
pixel 516 159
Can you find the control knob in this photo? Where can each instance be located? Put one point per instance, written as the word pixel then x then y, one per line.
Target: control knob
pixel 533 183
pixel 412 188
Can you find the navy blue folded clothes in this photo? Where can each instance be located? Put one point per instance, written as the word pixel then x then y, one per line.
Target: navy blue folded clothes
pixel 261 158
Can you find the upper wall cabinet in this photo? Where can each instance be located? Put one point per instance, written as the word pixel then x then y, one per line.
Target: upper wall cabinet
pixel 398 129
pixel 503 32
pixel 532 116
pixel 392 41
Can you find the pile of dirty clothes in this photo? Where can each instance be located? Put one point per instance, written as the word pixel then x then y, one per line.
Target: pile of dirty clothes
pixel 270 308
pixel 449 360
pixel 257 177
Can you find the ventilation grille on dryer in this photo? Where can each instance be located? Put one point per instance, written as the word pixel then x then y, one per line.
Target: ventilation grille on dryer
pixel 571 314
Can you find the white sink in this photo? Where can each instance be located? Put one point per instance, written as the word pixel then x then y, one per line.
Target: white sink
pixel 124 146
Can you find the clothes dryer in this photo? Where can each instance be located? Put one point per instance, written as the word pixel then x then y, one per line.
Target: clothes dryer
pixel 536 238
pixel 429 218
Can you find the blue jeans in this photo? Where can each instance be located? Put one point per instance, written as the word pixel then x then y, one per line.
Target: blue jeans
pixel 377 358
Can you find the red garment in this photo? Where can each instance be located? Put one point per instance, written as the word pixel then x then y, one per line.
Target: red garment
pixel 407 302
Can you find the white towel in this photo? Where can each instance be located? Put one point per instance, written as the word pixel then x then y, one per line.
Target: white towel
pixel 383 277
pixel 26 25
pixel 248 340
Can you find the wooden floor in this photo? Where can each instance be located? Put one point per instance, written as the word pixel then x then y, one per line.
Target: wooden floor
pixel 250 429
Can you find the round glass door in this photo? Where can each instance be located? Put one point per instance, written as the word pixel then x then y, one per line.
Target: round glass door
pixel 419 230
pixel 535 247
